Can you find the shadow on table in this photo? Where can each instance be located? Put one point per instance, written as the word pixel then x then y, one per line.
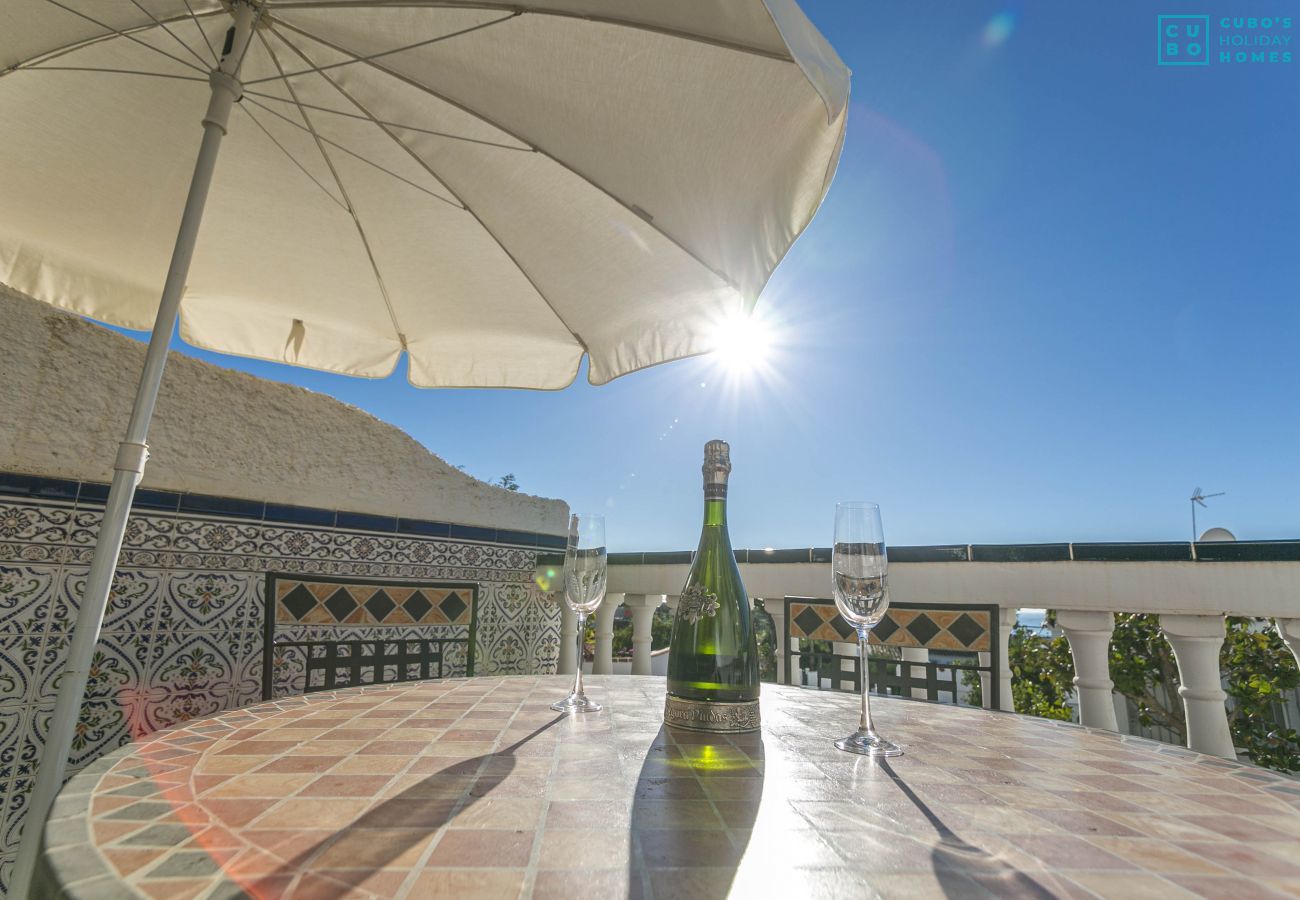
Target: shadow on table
pixel 419 810
pixel 693 810
pixel 957 863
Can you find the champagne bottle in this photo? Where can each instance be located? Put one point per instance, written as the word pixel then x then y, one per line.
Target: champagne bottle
pixel 713 658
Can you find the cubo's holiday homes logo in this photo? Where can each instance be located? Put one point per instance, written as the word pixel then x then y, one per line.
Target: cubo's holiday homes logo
pixel 1229 40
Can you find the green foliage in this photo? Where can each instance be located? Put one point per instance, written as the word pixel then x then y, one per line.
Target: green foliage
pixel 1143 667
pixel 661 628
pixel 1258 670
pixel 661 631
pixel 1042 674
pixel 509 482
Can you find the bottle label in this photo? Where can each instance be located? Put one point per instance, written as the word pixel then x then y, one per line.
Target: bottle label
pixel 697 602
pixel 718 717
pixel 715 490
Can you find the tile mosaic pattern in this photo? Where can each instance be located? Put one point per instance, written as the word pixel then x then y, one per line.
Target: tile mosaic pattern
pixel 317 602
pixel 183 634
pixel 474 788
pixel 934 629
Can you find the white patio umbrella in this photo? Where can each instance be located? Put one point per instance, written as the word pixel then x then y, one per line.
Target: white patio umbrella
pixel 493 188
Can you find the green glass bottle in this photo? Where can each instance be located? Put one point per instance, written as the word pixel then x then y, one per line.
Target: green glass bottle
pixel 713 658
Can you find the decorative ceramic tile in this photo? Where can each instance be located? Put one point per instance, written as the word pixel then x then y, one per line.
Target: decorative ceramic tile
pixel 202 600
pixel 183 630
pixel 20 655
pixel 118 665
pixel 14 811
pixel 132 601
pixel 196 662
pixel 24 595
pixel 101 727
pixel 315 602
pixel 13 720
pixel 934 629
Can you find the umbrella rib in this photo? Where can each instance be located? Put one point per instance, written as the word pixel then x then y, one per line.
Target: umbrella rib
pixel 354 59
pixel 355 155
pixel 172 34
pixel 47 55
pixel 430 131
pixel 130 36
pixel 356 221
pixel 386 129
pixel 216 59
pixel 554 13
pixel 110 72
pixel 483 117
pixel 292 158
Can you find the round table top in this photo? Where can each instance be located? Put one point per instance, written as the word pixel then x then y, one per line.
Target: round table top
pixel 474 788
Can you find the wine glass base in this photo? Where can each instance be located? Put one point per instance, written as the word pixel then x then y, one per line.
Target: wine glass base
pixel 576 703
pixel 868 744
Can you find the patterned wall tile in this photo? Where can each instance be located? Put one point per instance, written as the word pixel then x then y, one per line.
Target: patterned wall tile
pixel 332 602
pixel 936 629
pixel 24 596
pixel 101 727
pixel 183 631
pixel 15 809
pixel 133 601
pixel 119 664
pixel 197 662
pixel 19 657
pixel 202 600
pixel 13 720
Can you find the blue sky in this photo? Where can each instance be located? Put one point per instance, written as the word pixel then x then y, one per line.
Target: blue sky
pixel 1054 288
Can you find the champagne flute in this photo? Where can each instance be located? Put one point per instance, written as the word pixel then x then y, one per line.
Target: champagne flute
pixel 585 573
pixel 859 563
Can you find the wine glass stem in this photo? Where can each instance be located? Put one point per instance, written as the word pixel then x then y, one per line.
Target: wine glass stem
pixel 864 656
pixel 577 678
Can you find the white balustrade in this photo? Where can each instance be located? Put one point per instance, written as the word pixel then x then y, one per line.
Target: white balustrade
pixel 602 662
pixel 1006 621
pixel 1197 641
pixel 1088 632
pixel 642 608
pixel 1190 597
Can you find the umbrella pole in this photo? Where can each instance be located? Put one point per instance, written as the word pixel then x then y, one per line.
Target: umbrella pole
pixel 131 455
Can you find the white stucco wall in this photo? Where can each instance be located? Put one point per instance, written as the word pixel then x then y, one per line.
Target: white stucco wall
pixel 65 394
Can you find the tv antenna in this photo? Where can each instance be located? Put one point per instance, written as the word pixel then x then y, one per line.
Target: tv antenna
pixel 1199 498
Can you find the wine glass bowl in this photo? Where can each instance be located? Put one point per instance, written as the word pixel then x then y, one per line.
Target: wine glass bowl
pixel 859 567
pixel 586 572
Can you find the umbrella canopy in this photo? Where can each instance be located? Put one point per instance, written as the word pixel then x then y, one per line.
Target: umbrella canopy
pixel 494 188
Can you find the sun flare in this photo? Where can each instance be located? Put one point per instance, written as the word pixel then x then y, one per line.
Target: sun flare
pixel 743 343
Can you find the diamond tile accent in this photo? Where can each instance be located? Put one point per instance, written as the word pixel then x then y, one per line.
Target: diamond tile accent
pixel 923 628
pixel 453 607
pixel 299 601
pixel 808 620
pixel 417 606
pixel 341 604
pixel 843 628
pixel 881 633
pixel 380 605
pixel 966 629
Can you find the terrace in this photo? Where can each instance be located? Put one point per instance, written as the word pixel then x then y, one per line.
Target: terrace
pixel 301 656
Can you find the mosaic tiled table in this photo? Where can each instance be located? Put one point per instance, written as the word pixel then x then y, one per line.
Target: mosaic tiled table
pixel 474 788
